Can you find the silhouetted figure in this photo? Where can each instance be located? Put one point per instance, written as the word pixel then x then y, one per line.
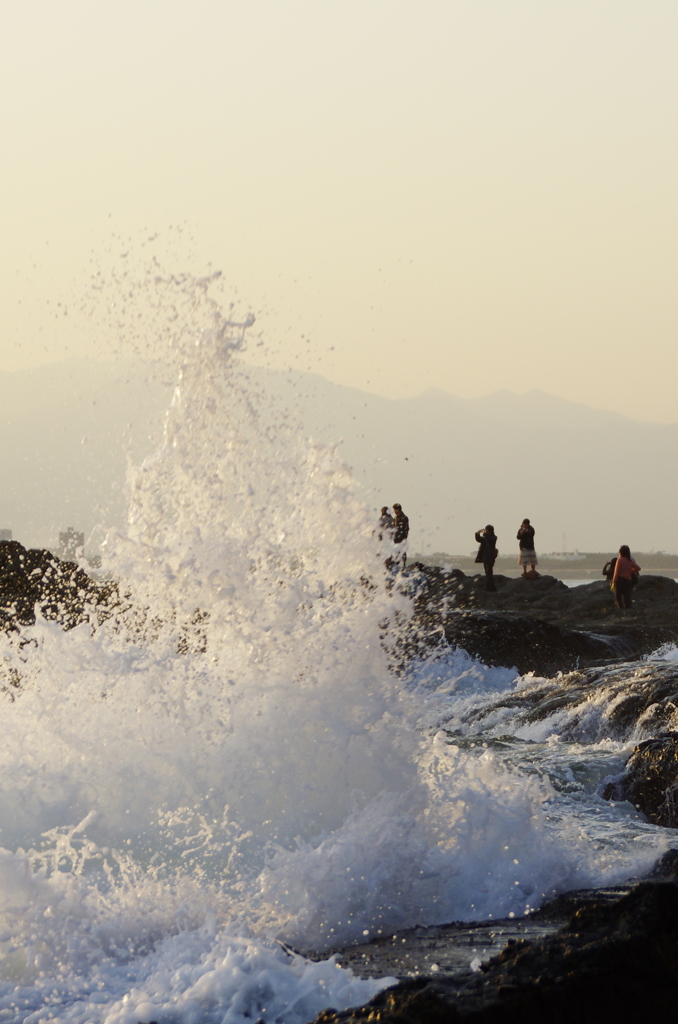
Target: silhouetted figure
pixel 401 524
pixel 401 528
pixel 608 570
pixel 625 576
pixel 386 527
pixel 487 554
pixel 528 556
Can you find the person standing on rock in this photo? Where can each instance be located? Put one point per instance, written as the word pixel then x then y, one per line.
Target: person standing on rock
pixel 528 556
pixel 625 575
pixel 386 525
pixel 608 570
pixel 487 554
pixel 401 528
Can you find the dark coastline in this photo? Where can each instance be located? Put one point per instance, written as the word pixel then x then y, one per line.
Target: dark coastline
pixel 541 625
pixel 584 957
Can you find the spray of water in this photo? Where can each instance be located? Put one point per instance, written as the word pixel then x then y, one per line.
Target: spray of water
pixel 228 759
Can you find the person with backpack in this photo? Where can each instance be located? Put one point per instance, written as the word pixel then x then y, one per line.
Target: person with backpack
pixel 487 554
pixel 624 578
pixel 608 570
pixel 386 524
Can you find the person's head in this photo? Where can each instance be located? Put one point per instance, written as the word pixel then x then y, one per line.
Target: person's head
pixel 625 551
pixel 397 507
pixel 384 510
pixel 489 529
pixel 526 522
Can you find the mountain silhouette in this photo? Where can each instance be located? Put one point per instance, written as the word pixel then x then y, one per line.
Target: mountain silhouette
pixel 594 477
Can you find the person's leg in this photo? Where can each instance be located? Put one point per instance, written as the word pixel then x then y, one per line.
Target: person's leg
pixel 623 594
pixel 628 588
pixel 400 557
pixel 489 576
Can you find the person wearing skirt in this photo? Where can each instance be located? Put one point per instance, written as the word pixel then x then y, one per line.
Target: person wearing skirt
pixel 528 556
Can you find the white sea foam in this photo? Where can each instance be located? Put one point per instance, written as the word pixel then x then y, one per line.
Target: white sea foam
pixel 231 760
pixel 667 652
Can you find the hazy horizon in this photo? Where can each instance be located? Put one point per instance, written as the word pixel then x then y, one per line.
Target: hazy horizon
pixel 117 360
pixel 469 196
pixel 454 463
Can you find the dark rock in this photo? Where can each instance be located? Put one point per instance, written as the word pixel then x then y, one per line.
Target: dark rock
pixel 65 593
pixel 18 592
pixel 666 867
pixel 592 604
pixel 529 644
pixel 613 961
pixel 650 781
pixel 62 591
pixel 537 625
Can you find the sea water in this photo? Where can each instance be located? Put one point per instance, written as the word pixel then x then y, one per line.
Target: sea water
pixel 231 770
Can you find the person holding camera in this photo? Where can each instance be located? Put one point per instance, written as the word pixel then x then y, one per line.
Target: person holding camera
pixel 386 524
pixel 528 556
pixel 487 554
pixel 401 529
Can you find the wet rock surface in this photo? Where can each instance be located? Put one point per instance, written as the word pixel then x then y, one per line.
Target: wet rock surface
pixel 619 702
pixel 532 645
pixel 541 625
pixel 63 592
pixel 615 958
pixel 655 598
pixel 452 948
pixel 650 780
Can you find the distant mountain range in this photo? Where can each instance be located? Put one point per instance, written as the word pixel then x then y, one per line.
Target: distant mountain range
pixel 587 479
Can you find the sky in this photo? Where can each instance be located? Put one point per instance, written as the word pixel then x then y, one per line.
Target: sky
pixel 463 194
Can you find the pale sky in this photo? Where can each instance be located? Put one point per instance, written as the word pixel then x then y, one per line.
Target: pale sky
pixel 468 194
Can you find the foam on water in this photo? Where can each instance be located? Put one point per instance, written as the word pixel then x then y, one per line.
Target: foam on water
pixel 667 652
pixel 230 759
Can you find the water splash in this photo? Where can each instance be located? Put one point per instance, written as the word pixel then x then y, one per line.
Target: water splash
pixel 228 758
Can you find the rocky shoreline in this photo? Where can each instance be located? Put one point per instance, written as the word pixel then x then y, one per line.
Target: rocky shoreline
pixel 34 577
pixel 585 957
pixel 601 955
pixel 541 625
pixel 549 599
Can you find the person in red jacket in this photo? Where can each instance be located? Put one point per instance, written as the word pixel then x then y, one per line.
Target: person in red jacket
pixel 625 575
